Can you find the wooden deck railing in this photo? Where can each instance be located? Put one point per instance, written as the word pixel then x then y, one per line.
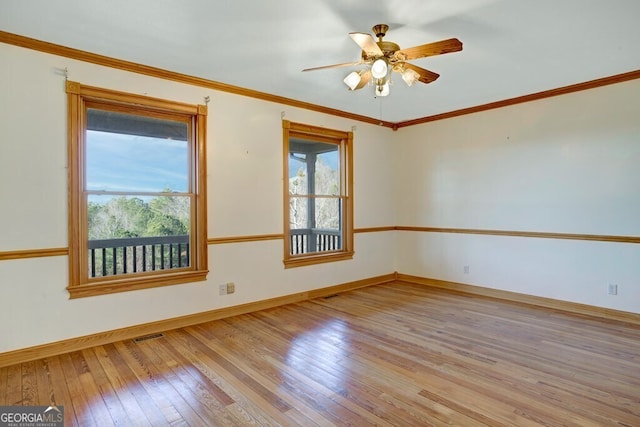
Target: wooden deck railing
pixel 305 240
pixel 109 257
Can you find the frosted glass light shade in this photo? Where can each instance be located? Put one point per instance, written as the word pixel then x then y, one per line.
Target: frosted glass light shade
pixel 352 80
pixel 379 68
pixel 410 77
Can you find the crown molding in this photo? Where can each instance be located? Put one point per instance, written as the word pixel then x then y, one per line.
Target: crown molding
pixel 592 84
pixel 106 61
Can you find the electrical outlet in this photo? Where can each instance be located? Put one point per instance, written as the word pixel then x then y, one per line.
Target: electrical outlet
pixel 223 289
pixel 231 287
pixel 613 289
pixel 466 269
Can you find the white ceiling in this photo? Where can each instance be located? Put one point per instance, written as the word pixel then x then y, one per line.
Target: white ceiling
pixel 511 47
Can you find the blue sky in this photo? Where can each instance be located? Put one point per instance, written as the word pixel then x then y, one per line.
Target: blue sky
pixel 129 163
pixel 117 162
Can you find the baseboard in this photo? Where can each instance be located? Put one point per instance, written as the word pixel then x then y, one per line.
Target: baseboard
pixel 80 343
pixel 567 306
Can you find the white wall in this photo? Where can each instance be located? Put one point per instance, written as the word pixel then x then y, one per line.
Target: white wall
pixel 245 198
pixel 566 164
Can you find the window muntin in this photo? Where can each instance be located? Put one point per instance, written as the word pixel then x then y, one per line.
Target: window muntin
pixel 137 192
pixel 318 201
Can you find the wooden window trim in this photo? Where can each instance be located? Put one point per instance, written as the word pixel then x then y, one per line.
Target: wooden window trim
pixel 346 179
pixel 79 283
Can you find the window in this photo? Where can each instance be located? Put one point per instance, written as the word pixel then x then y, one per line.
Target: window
pixel 137 196
pixel 318 195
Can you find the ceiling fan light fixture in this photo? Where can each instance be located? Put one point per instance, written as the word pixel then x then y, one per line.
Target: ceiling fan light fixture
pixel 382 89
pixel 410 76
pixel 382 58
pixel 379 68
pixel 353 79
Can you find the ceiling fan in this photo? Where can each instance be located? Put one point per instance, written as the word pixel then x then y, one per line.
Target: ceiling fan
pixel 384 57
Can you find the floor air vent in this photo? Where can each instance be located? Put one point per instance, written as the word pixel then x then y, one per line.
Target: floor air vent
pixel 148 337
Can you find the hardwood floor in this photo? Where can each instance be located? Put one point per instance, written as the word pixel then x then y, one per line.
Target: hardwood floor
pixel 395 354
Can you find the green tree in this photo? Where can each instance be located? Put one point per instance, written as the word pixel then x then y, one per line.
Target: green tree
pixel 170 216
pixel 120 217
pixel 134 217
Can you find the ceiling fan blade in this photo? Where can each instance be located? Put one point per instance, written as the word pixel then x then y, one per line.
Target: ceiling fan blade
pixel 429 49
pixel 324 67
pixel 364 79
pixel 426 76
pixel 367 43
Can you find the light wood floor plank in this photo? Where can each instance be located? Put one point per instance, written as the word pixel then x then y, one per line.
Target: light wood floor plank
pixel 14 386
pixel 45 392
pixel 81 407
pixel 391 355
pixel 29 384
pixel 140 408
pixel 319 370
pixel 146 381
pixel 230 380
pixel 119 413
pixel 60 391
pixel 93 395
pixel 4 373
pixel 165 380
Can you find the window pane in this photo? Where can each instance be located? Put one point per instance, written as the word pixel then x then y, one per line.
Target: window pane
pixel 297 174
pixel 113 217
pixel 298 212
pixel 315 224
pixel 328 172
pixel 327 213
pixel 133 153
pixel 137 234
pixel 314 160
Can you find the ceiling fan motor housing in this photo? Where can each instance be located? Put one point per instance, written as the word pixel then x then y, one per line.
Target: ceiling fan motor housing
pixel 380 30
pixel 387 48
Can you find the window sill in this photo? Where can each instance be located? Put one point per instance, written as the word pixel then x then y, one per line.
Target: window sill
pixel 111 286
pixel 301 261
